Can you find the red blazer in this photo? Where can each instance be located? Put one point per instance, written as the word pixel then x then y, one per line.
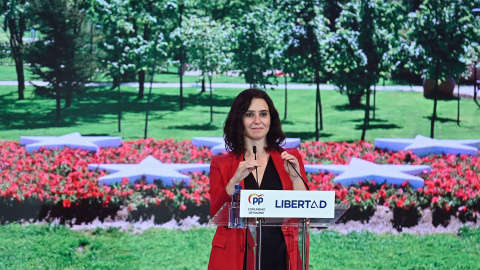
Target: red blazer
pixel 228 245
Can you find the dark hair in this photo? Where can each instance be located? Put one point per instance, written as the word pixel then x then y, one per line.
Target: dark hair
pixel 234 129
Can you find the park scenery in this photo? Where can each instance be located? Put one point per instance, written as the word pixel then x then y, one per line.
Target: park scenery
pixel 111 112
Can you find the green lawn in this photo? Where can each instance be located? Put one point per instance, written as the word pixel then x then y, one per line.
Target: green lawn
pixel 50 247
pixel 8 73
pixel 398 114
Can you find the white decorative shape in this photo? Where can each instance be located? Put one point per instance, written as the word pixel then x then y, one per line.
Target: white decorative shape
pixel 424 146
pixel 150 168
pixel 360 170
pixel 72 140
pixel 217 144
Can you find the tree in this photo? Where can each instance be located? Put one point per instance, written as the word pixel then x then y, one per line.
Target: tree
pixel 150 19
pixel 129 30
pixel 444 43
pixel 308 35
pixel 15 24
pixel 115 40
pixel 252 52
pixel 207 47
pixel 360 45
pixel 60 58
pixel 114 19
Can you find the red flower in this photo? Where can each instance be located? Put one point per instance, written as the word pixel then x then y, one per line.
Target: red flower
pixel 400 203
pixel 67 203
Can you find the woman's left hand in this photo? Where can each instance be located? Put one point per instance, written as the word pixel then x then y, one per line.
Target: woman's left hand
pixel 291 159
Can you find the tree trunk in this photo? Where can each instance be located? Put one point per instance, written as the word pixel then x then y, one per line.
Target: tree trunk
pixel 366 119
pixel 211 99
pixel 180 13
pixel 150 95
pixel 58 101
pixel 141 83
pixel 318 108
pixel 319 99
pixel 119 103
pixel 354 100
pixel 286 99
pixel 68 97
pixel 375 99
pixel 458 103
pixel 434 114
pixel 16 44
pixel 116 82
pixel 203 84
pixel 20 76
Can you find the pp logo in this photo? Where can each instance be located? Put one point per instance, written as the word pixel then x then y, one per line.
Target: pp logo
pixel 255 199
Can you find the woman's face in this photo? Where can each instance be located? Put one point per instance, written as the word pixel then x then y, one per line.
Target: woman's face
pixel 256 120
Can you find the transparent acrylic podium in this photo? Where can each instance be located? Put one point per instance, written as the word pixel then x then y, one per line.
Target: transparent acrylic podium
pixel 222 218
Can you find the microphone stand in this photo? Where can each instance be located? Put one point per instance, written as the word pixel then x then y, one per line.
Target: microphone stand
pixel 260 224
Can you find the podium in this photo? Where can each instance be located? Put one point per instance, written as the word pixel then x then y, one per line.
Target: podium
pixel 229 215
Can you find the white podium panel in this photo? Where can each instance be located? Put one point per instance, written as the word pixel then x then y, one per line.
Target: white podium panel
pixel 287 203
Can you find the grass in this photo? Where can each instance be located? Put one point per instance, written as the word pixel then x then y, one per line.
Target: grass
pixel 24 247
pixel 398 114
pixel 8 73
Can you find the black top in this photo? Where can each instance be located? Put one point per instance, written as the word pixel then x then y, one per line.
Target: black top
pixel 274 249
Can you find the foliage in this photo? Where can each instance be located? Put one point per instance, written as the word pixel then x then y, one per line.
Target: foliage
pixel 15 23
pixel 307 38
pixel 134 33
pixel 60 57
pixel 358 47
pixel 443 38
pixel 254 41
pixel 207 44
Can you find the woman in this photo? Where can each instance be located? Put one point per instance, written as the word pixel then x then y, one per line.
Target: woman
pixel 254 121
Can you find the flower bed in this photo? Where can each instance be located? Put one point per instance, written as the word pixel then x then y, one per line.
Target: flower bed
pixel 50 184
pixel 451 188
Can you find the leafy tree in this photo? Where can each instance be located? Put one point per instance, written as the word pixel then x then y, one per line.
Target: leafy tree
pixel 130 29
pixel 114 19
pixel 15 24
pixel 445 42
pixel 60 57
pixel 152 21
pixel 360 45
pixel 253 47
pixel 281 57
pixel 114 42
pixel 207 45
pixel 308 36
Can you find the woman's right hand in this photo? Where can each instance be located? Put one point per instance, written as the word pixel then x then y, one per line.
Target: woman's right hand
pixel 244 168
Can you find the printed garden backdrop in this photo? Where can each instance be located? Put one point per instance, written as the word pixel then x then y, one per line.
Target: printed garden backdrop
pixel 158 73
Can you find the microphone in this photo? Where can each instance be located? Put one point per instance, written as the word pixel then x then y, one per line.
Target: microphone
pixel 256 170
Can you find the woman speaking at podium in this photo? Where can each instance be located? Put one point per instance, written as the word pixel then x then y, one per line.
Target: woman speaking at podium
pixel 255 160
